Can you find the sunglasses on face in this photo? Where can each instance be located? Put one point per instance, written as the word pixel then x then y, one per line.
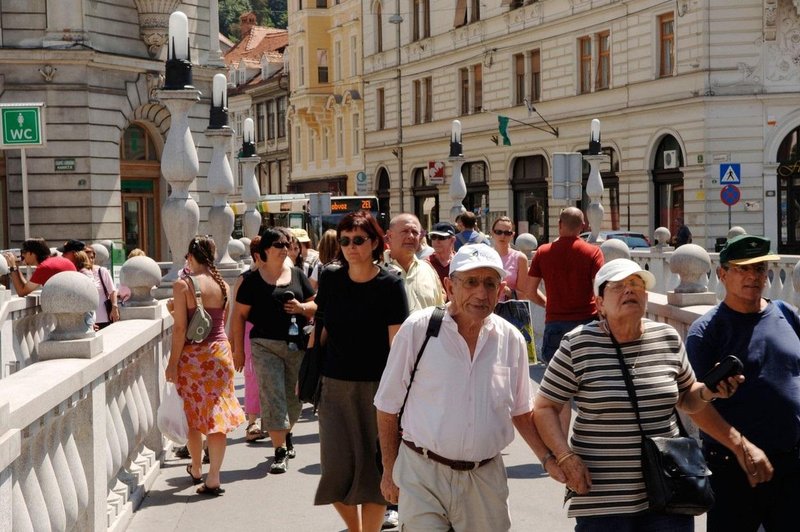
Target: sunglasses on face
pixel 281 245
pixel 499 232
pixel 357 240
pixel 439 237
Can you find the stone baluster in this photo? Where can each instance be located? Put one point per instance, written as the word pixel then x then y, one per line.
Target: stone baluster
pixel 220 185
pixel 179 165
pixel 458 188
pixel 31 506
pixel 594 190
pixel 66 485
pixel 251 219
pixel 51 493
pixel 72 298
pixel 690 262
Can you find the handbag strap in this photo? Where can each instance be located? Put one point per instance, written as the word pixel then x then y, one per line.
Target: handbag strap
pixel 196 286
pixel 434 325
pixel 102 282
pixel 626 376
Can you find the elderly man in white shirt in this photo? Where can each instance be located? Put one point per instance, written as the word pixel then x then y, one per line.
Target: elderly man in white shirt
pixel 470 390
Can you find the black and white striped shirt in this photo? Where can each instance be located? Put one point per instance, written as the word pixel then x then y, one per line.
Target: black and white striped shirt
pixel 605 433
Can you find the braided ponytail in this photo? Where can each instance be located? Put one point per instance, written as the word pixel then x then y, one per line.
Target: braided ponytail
pixel 203 250
pixel 218 278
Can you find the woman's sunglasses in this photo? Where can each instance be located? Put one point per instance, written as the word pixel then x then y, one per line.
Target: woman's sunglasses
pixel 499 232
pixel 281 245
pixel 357 240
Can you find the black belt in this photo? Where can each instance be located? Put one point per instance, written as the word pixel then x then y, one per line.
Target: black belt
pixel 456 465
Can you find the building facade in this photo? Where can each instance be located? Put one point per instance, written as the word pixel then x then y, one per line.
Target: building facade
pixel 326 107
pixel 97 67
pixel 682 89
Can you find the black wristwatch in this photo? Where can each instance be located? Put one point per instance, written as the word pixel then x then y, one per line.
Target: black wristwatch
pixel 12 269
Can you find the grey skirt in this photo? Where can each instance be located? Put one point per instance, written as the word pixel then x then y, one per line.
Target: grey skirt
pixel 348 438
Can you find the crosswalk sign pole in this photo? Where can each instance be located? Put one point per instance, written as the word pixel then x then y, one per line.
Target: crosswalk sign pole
pixel 729 218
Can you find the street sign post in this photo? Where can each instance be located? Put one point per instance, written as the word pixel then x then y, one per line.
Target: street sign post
pixel 730 195
pixel 730 174
pixel 21 126
pixel 362 185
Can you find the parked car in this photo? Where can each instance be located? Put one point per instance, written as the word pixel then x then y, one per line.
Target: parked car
pixel 633 240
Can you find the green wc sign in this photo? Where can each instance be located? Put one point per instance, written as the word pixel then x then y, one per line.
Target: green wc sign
pixel 22 125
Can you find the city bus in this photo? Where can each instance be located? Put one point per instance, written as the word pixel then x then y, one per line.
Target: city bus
pixel 314 212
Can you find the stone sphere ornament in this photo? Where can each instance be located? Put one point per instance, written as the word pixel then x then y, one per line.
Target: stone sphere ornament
pixel 72 298
pixel 237 249
pixel 101 254
pixel 614 248
pixel 140 274
pixel 527 244
pixel 691 262
pixel 661 237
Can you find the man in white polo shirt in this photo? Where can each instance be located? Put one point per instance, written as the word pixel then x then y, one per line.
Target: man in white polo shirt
pixel 470 390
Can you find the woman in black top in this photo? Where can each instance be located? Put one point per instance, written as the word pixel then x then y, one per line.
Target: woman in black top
pixel 363 306
pixel 278 300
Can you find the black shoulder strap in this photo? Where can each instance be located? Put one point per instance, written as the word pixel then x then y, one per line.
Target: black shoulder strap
pixel 102 282
pixel 434 324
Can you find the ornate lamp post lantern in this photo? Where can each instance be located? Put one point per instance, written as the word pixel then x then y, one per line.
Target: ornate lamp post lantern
pixel 594 184
pixel 458 188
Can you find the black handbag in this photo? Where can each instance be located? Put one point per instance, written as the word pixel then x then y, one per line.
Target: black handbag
pixel 676 476
pixel 309 379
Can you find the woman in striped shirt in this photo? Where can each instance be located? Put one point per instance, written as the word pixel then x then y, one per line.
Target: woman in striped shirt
pixel 602 463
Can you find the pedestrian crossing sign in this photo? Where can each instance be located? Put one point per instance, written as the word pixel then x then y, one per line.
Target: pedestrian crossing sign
pixel 730 174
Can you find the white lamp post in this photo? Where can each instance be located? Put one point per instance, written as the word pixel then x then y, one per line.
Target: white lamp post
pixel 594 184
pixel 220 177
pixel 458 188
pixel 251 222
pixel 179 164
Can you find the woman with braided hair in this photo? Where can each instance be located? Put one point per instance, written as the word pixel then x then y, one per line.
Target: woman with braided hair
pixel 203 372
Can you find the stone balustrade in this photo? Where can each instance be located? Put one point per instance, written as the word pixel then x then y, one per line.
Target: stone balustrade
pixel 79 445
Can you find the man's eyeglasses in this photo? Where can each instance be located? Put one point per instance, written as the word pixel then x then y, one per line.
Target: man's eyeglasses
pixel 357 240
pixel 281 245
pixel 500 232
pixel 440 237
pixel 743 269
pixel 489 283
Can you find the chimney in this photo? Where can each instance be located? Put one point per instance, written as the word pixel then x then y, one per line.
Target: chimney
pixel 246 23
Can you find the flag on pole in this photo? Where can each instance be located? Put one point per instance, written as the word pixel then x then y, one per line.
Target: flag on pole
pixel 502 126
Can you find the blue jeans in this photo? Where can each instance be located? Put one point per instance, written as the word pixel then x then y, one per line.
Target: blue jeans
pixel 641 522
pixel 553 332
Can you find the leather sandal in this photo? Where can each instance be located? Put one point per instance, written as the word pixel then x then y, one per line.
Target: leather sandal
pixel 254 433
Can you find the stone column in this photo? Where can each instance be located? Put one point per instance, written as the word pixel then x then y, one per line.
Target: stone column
pixel 594 189
pixel 251 220
pixel 220 185
pixel 179 165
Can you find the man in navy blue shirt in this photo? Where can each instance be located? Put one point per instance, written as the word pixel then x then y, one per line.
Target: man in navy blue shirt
pixel 751 440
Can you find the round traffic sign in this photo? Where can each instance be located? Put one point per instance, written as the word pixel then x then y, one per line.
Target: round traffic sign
pixel 730 195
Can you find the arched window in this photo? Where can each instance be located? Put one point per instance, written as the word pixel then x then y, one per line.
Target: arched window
pixel 789 194
pixel 426 200
pixel 477 199
pixel 529 187
pixel 668 183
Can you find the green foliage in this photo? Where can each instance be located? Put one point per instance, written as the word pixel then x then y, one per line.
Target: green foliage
pixel 270 13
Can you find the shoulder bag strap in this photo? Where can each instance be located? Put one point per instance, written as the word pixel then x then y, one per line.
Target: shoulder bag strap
pixel 102 282
pixel 434 324
pixel 197 294
pixel 626 375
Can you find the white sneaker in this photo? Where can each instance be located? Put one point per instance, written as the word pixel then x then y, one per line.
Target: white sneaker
pixel 390 519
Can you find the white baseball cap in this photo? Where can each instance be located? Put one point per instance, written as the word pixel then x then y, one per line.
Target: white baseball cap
pixel 619 269
pixel 474 256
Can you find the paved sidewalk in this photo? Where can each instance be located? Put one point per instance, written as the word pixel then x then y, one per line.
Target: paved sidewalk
pixel 255 500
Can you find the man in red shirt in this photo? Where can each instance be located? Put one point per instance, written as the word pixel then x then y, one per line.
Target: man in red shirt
pixel 568 267
pixel 35 252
